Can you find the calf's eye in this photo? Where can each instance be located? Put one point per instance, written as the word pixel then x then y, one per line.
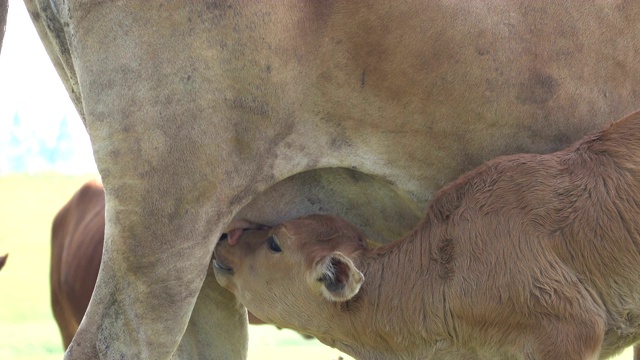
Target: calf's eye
pixel 273 245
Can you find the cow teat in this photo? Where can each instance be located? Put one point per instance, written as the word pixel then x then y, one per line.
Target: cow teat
pixel 237 227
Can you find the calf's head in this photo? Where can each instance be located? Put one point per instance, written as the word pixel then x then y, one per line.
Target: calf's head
pixel 281 274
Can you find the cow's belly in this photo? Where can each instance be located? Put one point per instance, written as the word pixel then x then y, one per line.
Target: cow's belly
pixel 380 209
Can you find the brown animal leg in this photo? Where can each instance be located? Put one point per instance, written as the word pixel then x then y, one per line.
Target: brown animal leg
pixel 64 317
pixel 636 352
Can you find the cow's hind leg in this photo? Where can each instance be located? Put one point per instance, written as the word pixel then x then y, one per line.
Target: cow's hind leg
pixel 215 309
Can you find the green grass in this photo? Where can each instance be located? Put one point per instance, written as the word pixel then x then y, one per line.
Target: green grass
pixel 27 206
pixel 27 328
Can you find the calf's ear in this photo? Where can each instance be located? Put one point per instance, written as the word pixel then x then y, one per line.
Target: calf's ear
pixel 336 277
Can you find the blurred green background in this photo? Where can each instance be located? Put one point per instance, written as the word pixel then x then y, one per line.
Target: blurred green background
pixel 28 331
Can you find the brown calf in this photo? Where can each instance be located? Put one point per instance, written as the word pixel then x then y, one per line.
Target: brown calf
pixel 526 257
pixel 76 251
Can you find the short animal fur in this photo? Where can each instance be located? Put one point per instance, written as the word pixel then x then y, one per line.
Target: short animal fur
pixel 525 257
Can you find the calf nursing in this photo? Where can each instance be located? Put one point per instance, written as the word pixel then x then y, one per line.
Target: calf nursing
pixel 526 257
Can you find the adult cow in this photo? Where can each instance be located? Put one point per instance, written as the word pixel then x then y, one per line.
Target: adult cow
pixel 195 109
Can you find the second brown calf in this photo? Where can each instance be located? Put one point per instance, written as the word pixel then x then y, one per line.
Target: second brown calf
pixel 77 237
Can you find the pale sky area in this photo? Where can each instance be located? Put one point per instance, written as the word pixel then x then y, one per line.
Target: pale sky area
pixel 30 87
